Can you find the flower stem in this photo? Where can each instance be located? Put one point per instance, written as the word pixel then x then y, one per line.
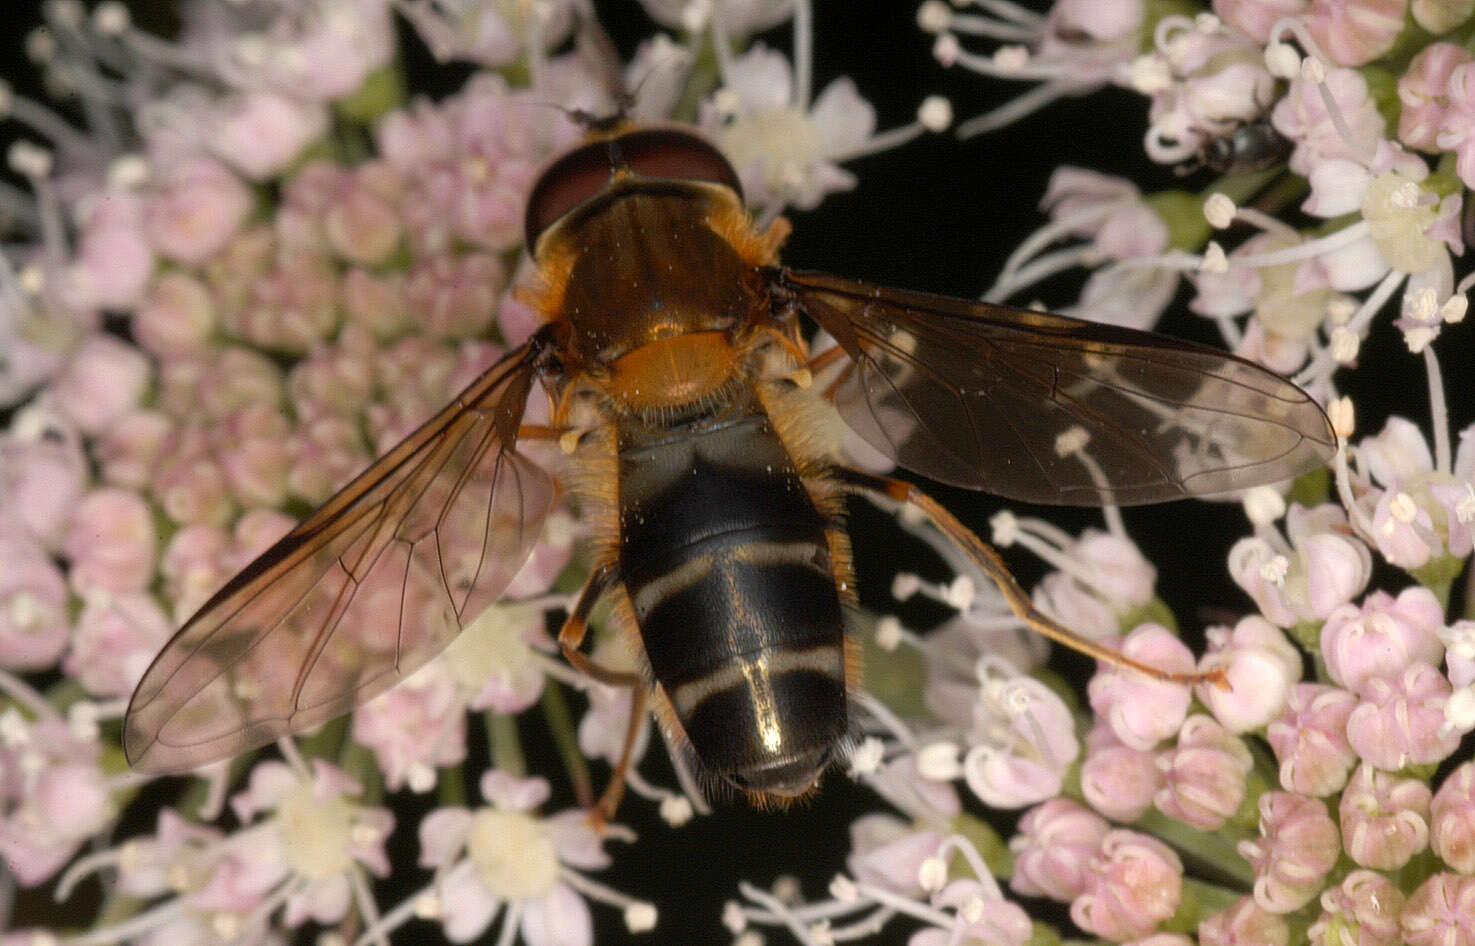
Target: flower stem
pixel 1216 849
pixel 506 744
pixel 561 724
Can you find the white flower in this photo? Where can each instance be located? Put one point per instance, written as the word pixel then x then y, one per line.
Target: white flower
pixel 785 150
pixel 504 855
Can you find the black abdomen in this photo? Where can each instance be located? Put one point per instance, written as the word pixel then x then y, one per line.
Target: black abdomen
pixel 727 563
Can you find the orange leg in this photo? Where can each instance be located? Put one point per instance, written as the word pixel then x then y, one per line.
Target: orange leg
pixel 994 567
pixel 539 432
pixel 826 358
pixel 570 637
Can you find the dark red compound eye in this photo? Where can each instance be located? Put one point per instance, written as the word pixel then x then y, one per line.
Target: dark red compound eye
pixel 653 153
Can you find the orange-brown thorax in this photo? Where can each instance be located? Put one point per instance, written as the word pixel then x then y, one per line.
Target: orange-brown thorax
pixel 657 287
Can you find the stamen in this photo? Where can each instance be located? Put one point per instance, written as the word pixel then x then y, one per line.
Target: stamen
pixel 1438 412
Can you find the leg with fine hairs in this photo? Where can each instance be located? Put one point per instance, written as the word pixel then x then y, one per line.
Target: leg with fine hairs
pixel 570 637
pixel 988 559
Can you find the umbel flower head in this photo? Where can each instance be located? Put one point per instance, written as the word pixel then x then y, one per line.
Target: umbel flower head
pixel 250 257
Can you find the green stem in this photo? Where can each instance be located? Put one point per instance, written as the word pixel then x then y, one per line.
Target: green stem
pixel 450 788
pixel 1200 900
pixel 506 744
pixel 561 724
pixel 1217 849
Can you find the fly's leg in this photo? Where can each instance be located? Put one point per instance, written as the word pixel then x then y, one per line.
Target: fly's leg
pixel 988 559
pixel 570 637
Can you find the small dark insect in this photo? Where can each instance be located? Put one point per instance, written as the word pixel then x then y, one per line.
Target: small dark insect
pixel 686 400
pixel 1253 146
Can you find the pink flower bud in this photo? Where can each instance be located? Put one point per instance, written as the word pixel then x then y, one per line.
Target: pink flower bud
pixel 33 604
pixel 376 301
pixel 1383 637
pixel 1355 32
pixel 177 316
pixel 1143 711
pixel 1261 667
pixel 1452 813
pixel 238 377
pixel 62 800
pixel 362 221
pixel 420 724
pixel 1132 884
pixel 1298 846
pixel 982 915
pixel 1362 909
pixel 1403 528
pixel 1401 720
pixel 1385 819
pixel 1423 94
pixel 196 207
pixel 112 542
pixel 1336 567
pixel 1204 777
pixel 1438 913
pixel 1055 843
pixel 291 308
pixel 259 132
pixel 130 450
pixel 336 379
pixel 115 639
pixel 326 453
pixel 1310 739
pixel 298 223
pixel 194 566
pixel 454 296
pixel 888 852
pixel 102 381
pixel 1073 604
pixel 1244 923
pixel 1452 500
pixel 251 448
pixel 114 260
pixel 1254 18
pixel 1115 563
pixel 1118 780
pixel 193 491
pixel 42 473
pixel 1102 22
pixel 1025 741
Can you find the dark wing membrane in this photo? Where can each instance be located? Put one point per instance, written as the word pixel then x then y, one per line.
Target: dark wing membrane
pixel 364 592
pixel 1047 409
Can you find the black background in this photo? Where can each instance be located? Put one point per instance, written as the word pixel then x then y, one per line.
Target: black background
pixel 937 215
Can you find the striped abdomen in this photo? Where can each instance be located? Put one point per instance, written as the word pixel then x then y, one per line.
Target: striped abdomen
pixel 727 563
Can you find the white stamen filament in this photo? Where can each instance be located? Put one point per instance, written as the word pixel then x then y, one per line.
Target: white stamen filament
pixel 1322 361
pixel 1016 108
pixel 1438 412
pixel 132 928
pixel 889 721
pixel 1039 269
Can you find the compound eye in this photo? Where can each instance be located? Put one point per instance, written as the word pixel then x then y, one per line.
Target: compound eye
pixel 653 153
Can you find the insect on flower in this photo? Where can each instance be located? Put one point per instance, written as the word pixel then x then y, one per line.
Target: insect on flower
pixel 1246 148
pixel 693 420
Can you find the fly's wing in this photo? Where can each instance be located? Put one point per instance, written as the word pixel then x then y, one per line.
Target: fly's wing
pixel 1047 409
pixel 358 596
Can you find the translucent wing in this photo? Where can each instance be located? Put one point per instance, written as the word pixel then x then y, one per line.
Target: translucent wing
pixel 362 593
pixel 1047 409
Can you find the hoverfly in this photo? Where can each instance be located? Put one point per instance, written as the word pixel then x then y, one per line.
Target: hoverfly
pixel 685 397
